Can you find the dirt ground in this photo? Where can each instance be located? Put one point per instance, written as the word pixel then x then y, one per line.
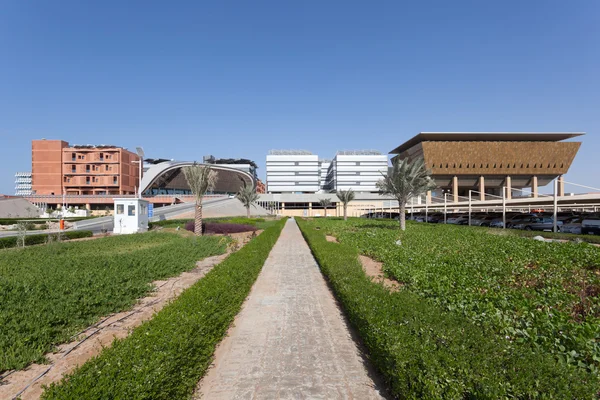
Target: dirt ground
pixel 374 270
pixel 28 383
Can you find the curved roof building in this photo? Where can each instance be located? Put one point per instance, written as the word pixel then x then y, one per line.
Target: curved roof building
pixel 168 178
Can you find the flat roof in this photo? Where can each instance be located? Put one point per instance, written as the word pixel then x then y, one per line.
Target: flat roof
pixel 485 137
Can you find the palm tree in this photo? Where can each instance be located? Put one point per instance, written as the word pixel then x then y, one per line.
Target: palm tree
pixel 325 203
pixel 201 179
pixel 406 179
pixel 345 196
pixel 248 196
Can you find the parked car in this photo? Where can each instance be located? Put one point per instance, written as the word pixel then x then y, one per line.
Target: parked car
pixel 518 219
pixel 590 226
pixel 435 218
pixel 456 218
pixel 538 224
pixel 482 221
pixel 572 225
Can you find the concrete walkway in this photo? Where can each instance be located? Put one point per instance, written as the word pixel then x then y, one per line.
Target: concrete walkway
pixel 290 341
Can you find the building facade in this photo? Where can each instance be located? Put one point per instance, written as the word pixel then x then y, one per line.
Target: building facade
pixel 357 170
pixel 323 169
pixel 57 168
pixel 22 183
pixel 292 171
pixel 484 163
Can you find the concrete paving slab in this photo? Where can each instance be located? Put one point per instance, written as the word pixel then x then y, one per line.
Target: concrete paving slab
pixel 291 340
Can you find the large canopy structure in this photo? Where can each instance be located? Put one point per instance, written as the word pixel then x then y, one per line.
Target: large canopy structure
pixel 167 178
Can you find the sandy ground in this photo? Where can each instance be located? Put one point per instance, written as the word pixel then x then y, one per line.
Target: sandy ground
pixel 374 270
pixel 291 339
pixel 28 382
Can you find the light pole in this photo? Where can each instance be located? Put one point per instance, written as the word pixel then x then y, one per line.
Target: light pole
pixel 470 207
pixel 445 205
pixel 504 207
pixel 140 153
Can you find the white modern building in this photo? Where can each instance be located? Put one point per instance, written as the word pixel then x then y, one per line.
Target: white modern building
pixel 357 170
pixel 23 184
pixel 292 171
pixel 323 169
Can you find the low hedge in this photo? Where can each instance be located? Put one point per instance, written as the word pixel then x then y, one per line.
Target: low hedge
pixel 220 229
pixel 12 241
pixel 165 357
pixel 12 221
pixel 424 353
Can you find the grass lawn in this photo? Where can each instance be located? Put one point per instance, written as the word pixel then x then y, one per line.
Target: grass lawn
pixel 49 293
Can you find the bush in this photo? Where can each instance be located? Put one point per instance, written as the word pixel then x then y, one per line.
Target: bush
pixel 165 357
pixel 12 221
pixel 42 238
pixel 220 229
pixel 425 353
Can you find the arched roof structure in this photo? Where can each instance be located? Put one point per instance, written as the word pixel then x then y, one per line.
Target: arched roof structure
pixel 168 178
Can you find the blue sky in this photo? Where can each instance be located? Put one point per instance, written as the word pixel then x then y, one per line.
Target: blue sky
pixel 235 79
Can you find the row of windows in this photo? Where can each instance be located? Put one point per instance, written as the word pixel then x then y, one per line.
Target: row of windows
pixel 495 165
pixel 102 156
pixel 89 168
pixel 91 179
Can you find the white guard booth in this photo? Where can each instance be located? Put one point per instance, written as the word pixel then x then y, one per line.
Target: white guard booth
pixel 130 216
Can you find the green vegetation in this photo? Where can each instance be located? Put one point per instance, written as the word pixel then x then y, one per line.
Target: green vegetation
pixel 478 316
pixel 12 241
pixel 49 293
pixel 260 223
pixel 12 221
pixel 552 235
pixel 165 357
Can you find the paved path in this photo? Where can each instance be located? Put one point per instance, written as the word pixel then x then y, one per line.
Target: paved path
pixel 290 341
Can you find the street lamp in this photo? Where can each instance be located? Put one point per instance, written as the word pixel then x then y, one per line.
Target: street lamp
pixel 140 153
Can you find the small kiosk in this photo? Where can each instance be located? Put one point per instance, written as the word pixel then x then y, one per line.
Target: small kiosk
pixel 130 216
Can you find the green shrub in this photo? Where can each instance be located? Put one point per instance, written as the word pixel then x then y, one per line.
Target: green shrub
pixel 8 242
pixel 165 357
pixel 425 353
pixel 49 293
pixel 12 221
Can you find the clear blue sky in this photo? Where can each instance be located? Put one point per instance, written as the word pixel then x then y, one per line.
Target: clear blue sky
pixel 235 79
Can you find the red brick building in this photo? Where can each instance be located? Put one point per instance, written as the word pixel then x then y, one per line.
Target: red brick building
pixel 57 168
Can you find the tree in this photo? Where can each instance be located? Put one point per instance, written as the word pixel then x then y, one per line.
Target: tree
pixel 201 179
pixel 345 196
pixel 406 179
pixel 248 196
pixel 325 203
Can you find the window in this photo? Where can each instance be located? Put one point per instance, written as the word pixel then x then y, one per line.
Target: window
pixel 106 167
pixel 87 180
pixel 120 208
pixel 101 156
pixel 73 169
pixel 115 180
pixel 73 156
pixel 87 168
pixel 131 211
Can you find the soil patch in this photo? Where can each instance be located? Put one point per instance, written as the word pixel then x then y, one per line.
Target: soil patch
pixel 374 270
pixel 28 383
pixel 332 239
